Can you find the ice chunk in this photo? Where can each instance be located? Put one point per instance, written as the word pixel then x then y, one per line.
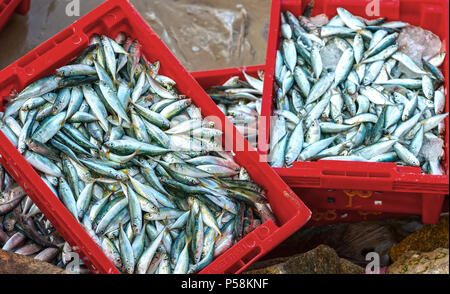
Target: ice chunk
pixel 320 20
pixel 331 55
pixel 417 43
pixel 432 149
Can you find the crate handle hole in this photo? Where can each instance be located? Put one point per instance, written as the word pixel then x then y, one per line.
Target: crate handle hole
pixel 333 173
pixel 234 268
pixel 251 255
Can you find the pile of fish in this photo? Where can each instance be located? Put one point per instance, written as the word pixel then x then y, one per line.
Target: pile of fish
pixel 362 109
pixel 134 161
pixel 25 230
pixel 241 102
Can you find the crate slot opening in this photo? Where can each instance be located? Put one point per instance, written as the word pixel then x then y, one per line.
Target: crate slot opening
pixel 251 255
pixel 333 173
pixel 45 48
pixel 97 27
pixel 356 174
pixel 379 175
pixel 24 61
pixel 234 268
pixel 121 26
pixel 64 35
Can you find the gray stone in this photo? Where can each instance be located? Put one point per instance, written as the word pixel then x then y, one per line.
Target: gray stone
pixel 321 260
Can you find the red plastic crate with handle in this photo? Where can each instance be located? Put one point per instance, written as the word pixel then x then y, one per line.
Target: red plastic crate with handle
pixel 7 8
pixel 334 206
pixel 111 18
pixel 388 178
pixel 372 201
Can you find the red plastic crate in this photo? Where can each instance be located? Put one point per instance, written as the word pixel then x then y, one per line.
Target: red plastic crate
pixel 332 216
pixel 111 18
pixel 331 206
pixel 7 8
pixel 405 189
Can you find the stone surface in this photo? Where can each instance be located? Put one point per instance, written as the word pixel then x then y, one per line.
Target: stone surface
pixel 413 262
pixel 347 267
pixel 427 239
pixel 321 260
pixel 351 241
pixel 11 263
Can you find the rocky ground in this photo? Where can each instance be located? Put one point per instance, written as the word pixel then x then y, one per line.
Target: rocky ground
pixel 405 246
pixel 320 260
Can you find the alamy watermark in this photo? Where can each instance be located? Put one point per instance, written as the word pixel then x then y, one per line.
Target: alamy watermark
pixel 373 267
pixel 73 8
pixel 72 260
pixel 373 8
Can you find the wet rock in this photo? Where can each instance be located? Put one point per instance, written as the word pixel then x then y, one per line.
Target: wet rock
pixel 321 260
pixel 347 267
pixel 11 263
pixel 351 241
pixel 427 239
pixel 361 239
pixel 413 262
